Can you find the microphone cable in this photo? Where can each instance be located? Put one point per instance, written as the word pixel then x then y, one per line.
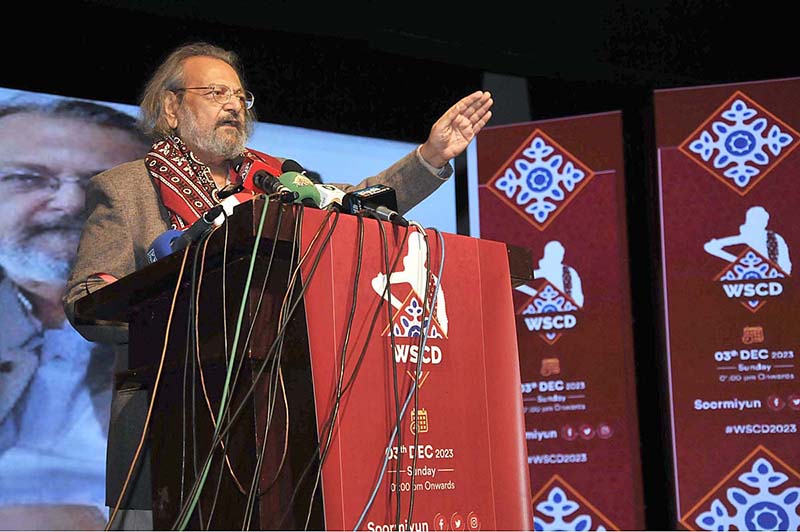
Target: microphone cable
pixel 384 297
pixel 400 411
pixel 395 386
pixel 431 307
pixel 276 347
pixel 224 407
pixel 224 442
pixel 276 381
pixel 418 369
pixel 189 348
pixel 193 345
pixel 227 359
pixel 247 510
pixel 152 396
pixel 223 429
pixel 187 510
pixel 192 353
pixel 397 432
pixel 360 359
pixel 383 468
pixel 413 392
pixel 290 291
pixel 338 392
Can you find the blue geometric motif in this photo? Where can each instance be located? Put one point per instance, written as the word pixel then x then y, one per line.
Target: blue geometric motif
pixel 549 301
pixel 751 266
pixel 539 180
pixel 411 323
pixel 762 510
pixel 558 507
pixel 740 145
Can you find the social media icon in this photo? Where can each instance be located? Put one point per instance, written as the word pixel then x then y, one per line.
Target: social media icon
pixel 794 401
pixel 604 431
pixel 439 522
pixel 776 402
pixel 473 521
pixel 457 522
pixel 586 432
pixel 568 432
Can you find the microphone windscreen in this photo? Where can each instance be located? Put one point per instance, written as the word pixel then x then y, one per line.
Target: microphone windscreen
pixel 290 165
pixel 329 196
pixel 162 245
pixel 303 186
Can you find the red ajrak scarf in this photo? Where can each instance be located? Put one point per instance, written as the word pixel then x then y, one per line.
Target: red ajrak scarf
pixel 184 183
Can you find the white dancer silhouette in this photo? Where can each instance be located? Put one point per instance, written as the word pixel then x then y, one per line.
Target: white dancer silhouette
pixel 415 274
pixel 753 232
pixel 552 268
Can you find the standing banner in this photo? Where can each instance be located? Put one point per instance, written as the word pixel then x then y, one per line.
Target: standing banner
pixel 556 187
pixel 728 180
pixel 428 430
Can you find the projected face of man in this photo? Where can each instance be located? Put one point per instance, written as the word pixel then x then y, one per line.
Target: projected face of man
pixel 45 165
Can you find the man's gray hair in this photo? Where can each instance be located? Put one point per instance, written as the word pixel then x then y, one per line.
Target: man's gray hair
pixel 85 111
pixel 169 77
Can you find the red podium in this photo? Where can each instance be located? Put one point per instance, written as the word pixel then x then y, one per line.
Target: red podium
pixel 401 381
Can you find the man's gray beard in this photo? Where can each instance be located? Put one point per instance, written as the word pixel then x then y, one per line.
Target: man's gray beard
pixel 226 148
pixel 21 263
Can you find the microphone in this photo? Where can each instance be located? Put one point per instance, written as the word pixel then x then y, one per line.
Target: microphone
pixel 330 197
pixel 307 193
pixel 258 176
pixel 229 203
pixel 174 239
pixel 290 165
pixel 162 245
pixel 198 228
pixel 379 201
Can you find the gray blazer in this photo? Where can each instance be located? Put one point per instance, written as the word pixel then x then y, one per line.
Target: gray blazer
pixel 125 215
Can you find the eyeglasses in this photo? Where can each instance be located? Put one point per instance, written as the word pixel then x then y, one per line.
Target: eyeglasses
pixel 27 181
pixel 222 94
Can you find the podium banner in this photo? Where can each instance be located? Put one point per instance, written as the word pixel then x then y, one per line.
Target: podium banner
pixel 728 166
pixel 456 457
pixel 556 187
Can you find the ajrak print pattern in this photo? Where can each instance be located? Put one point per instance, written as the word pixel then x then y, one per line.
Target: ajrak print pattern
pixel 548 302
pixel 409 323
pixel 740 143
pixel 764 496
pixel 557 506
pixel 750 266
pixel 539 180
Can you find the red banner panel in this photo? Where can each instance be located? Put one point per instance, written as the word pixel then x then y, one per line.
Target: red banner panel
pixel 556 187
pixel 728 168
pixel 438 422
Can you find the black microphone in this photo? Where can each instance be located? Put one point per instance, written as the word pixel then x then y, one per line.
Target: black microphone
pixel 378 201
pixel 197 229
pixel 290 165
pixel 271 185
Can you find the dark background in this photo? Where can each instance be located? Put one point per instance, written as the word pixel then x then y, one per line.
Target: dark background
pixel 389 70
